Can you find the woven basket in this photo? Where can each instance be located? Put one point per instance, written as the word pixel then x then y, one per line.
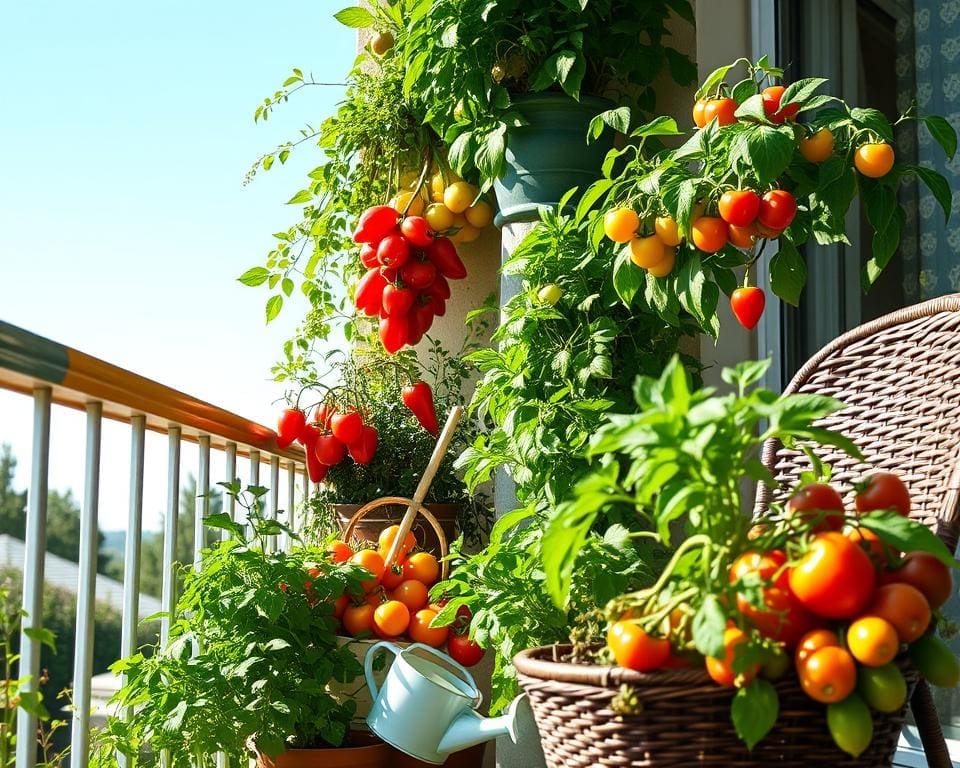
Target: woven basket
pixel 685 720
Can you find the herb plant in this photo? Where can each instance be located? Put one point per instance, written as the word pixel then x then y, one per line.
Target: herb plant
pixel 253 644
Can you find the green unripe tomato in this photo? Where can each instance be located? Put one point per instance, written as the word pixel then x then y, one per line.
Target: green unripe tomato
pixel 935 661
pixel 850 724
pixel 550 294
pixel 776 665
pixel 883 688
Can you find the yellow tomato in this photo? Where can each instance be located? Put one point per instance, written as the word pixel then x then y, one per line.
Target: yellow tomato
pixel 439 217
pixel 818 147
pixel 480 214
pixel 665 267
pixel 400 200
pixel 667 230
pixel 621 224
pixel 459 195
pixel 647 252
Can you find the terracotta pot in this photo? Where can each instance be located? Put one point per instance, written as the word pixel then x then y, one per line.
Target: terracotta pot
pixel 472 757
pixel 371 525
pixel 368 752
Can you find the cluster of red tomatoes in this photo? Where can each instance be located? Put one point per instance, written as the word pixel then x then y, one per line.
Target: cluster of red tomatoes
pixel 335 433
pixel 408 266
pixel 843 606
pixel 395 603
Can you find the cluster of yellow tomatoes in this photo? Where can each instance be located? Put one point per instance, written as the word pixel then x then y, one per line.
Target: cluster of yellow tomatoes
pixel 842 604
pixel 395 602
pixel 451 206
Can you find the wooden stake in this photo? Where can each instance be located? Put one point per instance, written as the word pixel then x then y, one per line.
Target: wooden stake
pixel 439 451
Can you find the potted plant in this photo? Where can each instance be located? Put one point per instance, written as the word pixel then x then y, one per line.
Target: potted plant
pixel 396 407
pixel 609 291
pixel 512 86
pixel 813 607
pixel 251 649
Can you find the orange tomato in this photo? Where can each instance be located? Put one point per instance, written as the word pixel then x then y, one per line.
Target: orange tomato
pixel 818 147
pixel 874 160
pixel 905 607
pixel 829 675
pixel 634 649
pixel 699 108
pixel 722 670
pixel 872 641
pixel 339 551
pixel 665 266
pixel 373 562
pixel 742 237
pixel 667 230
pixel 340 605
pixel 721 109
pixel 392 576
pixel 709 233
pixel 392 618
pixel 620 224
pixel 423 567
pixel 358 619
pixel 834 578
pixel 420 630
pixel 813 641
pixel 870 543
pixel 386 538
pixel 412 594
pixel 647 252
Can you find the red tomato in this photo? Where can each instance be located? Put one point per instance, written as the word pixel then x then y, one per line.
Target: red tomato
pixel 766 565
pixel 739 206
pixel 883 490
pixel 817 501
pixel 369 293
pixel 443 253
pixel 393 251
pixel 835 578
pixel 923 571
pixel 364 448
pixel 771 105
pixel 394 333
pixel 783 619
pixel 290 426
pixel 418 274
pixel 747 305
pixel 368 256
pixel 463 650
pixel 397 300
pixel 346 427
pixel 375 223
pixel 721 109
pixel 634 649
pixel 905 607
pixel 329 450
pixel 417 231
pixel 777 209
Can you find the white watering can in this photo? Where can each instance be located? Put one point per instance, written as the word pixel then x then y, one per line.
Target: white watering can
pixel 427 704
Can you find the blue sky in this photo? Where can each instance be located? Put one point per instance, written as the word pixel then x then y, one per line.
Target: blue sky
pixel 126 132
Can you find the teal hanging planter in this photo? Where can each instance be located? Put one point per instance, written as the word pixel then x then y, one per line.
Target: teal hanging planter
pixel 550 154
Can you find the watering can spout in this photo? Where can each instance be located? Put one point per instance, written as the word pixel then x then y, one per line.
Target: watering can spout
pixel 472 728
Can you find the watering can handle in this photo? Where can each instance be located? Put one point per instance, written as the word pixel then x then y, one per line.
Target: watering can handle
pixel 464 674
pixel 368 664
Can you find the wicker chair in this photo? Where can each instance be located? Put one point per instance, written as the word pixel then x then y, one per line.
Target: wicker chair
pixel 899 376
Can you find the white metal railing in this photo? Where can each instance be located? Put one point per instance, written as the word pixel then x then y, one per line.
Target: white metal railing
pixel 57 376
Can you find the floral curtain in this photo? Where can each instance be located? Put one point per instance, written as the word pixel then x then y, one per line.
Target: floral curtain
pixel 928 71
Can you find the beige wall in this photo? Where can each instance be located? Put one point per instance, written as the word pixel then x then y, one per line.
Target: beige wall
pixel 729 38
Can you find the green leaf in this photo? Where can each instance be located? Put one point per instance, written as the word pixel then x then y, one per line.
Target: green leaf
pixel 224 522
pixel 303 196
pixel 355 17
pixel 709 624
pixel 618 119
pixel 659 126
pixel 801 90
pixel 788 272
pixel 592 194
pixel 938 186
pixel 743 90
pixel 628 279
pixel 254 276
pixel 489 157
pixel 883 247
pixel 43 636
pixel 768 150
pixel 754 711
pixel 752 108
pixel 713 80
pixel 274 305
pixel 943 133
pixel 873 120
pixel 907 535
pixel 450 36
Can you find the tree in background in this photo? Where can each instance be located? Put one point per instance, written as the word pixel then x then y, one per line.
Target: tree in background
pixel 151 560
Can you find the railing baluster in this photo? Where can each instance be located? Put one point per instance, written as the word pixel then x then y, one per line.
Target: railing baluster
pixel 230 503
pixel 274 511
pixel 168 597
pixel 86 592
pixel 202 508
pixel 36 545
pixel 306 495
pixel 292 495
pixel 254 466
pixel 131 556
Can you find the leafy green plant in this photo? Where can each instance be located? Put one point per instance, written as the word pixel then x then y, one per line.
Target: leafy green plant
pixel 679 463
pixel 253 644
pixel 760 151
pixel 466 61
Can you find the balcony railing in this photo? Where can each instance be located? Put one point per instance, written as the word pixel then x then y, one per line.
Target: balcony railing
pixel 55 375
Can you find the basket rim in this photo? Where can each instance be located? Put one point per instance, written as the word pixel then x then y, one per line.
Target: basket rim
pixel 541 662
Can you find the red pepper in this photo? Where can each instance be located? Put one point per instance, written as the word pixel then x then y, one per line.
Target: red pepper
pixel 418 397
